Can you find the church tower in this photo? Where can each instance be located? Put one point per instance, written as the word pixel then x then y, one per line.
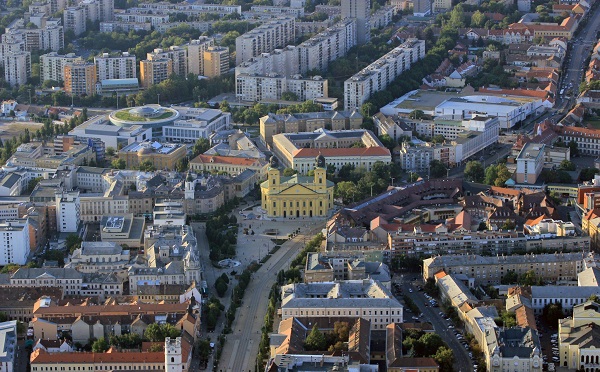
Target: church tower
pixel 320 173
pixel 273 173
pixel 173 358
pixel 190 186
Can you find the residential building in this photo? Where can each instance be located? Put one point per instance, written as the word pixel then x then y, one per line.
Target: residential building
pixel 18 302
pixel 80 78
pixel 366 299
pixel 297 196
pixel 256 88
pixel 75 18
pixel 422 8
pixel 265 38
pixel 360 10
pixel 177 55
pixel 203 194
pixel 161 156
pixel 68 280
pixel 196 123
pixel 517 349
pixel 52 65
pixel 216 61
pixel 578 336
pixel 298 150
pixel 331 267
pixel 115 66
pixel 68 211
pixel 17 68
pixel 530 163
pixel 491 269
pixel 417 157
pixel 168 212
pixel 273 124
pixel 195 50
pixel 50 37
pixel 393 126
pixel 379 74
pixel 154 71
pixel 14 242
pixel 441 5
pixel 232 165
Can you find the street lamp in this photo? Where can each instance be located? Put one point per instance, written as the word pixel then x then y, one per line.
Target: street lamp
pixel 158 98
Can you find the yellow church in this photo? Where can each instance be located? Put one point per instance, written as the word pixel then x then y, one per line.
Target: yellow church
pixel 297 196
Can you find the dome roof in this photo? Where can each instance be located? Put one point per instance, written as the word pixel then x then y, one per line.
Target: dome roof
pixel 144 111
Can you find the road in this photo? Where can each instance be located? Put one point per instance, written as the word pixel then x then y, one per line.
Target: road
pixel 462 362
pixel 579 51
pixel 241 348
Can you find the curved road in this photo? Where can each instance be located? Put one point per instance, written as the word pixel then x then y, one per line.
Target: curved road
pixel 241 348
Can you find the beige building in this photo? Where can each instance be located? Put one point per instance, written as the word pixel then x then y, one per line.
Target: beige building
pixel 328 268
pixel 265 38
pixel 216 61
pixel 121 66
pixel 162 156
pixel 579 338
pixel 98 256
pixel 52 65
pixel 256 88
pixel 17 68
pixel 75 19
pixel 228 164
pixel 80 78
pixel 154 71
pixel 195 54
pixel 530 163
pixel 177 55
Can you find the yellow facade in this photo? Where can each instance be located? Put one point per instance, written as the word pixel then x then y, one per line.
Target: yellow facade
pixel 297 196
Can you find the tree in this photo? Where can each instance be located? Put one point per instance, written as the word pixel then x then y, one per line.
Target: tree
pixel 220 286
pixel 511 277
pixel 200 147
pixel 315 340
pixel 202 350
pixel 100 345
pixel 508 225
pixel 347 191
pixel 118 164
pixel 438 138
pixel 444 358
pixel 288 172
pixel 530 278
pixel 10 268
pixel 478 19
pixel 437 169
pixel 73 241
pixel 491 173
pixel 574 148
pixel 158 332
pixel 587 174
pixel 457 17
pixel 416 114
pixel 474 171
pixel 387 141
pixel 552 313
pixel 146 166
pixel 289 96
pixel 502 176
pixel 110 151
pixel 567 165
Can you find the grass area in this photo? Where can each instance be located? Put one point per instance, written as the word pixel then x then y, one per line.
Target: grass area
pixel 126 115
pixel 595 123
pixel 9 129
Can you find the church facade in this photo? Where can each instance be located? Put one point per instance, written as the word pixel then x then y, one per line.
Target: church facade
pixel 297 196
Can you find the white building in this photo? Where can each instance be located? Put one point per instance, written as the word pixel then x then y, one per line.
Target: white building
pixel 68 211
pixel 197 123
pixel 75 18
pixel 367 299
pixel 115 66
pixel 379 74
pixel 255 88
pixel 50 37
pixel 530 162
pixel 52 65
pixel 112 135
pixel 168 213
pixel 14 241
pixel 265 39
pixel 8 341
pixel 17 68
pixel 360 10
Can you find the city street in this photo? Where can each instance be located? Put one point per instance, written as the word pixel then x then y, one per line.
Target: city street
pixel 462 362
pixel 241 348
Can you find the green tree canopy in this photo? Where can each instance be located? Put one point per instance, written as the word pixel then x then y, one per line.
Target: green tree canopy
pixel 474 171
pixel 100 345
pixel 316 340
pixel 159 332
pixel 437 169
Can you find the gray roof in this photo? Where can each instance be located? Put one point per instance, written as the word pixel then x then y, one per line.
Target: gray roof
pixel 589 277
pixel 558 291
pixel 472 259
pixel 519 342
pixel 59 273
pixel 8 340
pixel 9 180
pixel 100 248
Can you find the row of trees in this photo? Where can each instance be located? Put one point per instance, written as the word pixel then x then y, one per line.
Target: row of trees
pixel 529 278
pixel 221 232
pixel 154 332
pixel 356 183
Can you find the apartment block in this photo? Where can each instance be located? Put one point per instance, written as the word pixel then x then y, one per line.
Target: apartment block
pixel 265 39
pixel 80 78
pixel 68 211
pixel 11 47
pixel 17 68
pixel 530 163
pixel 14 241
pixel 75 19
pixel 121 66
pixel 216 61
pixel 140 18
pixel 52 65
pixel 191 9
pixel 47 38
pixel 360 10
pixel 379 74
pixel 195 54
pixel 256 88
pixel 154 71
pixel 176 54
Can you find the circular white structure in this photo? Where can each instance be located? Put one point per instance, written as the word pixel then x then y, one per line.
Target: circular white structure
pixel 148 116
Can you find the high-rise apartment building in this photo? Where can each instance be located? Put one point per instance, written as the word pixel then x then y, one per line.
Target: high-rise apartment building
pixel 68 211
pixel 17 68
pixel 176 54
pixel 10 47
pixel 46 38
pixel 195 53
pixel 75 19
pixel 271 87
pixel 52 65
pixel 359 10
pixel 265 39
pixel 14 241
pixel 80 78
pixel 216 61
pixel 121 66
pixel 379 74
pixel 153 71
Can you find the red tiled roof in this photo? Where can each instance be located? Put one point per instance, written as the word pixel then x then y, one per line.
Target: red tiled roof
pixel 354 151
pixel 516 92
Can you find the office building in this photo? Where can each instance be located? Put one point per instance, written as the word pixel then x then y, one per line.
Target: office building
pixel 530 162
pixel 68 211
pixel 75 18
pixel 216 61
pixel 360 10
pixel 121 66
pixel 195 123
pixel 111 135
pixel 80 78
pixel 360 148
pixel 52 65
pixel 297 196
pixel 17 68
pixel 8 340
pixel 379 74
pixel 14 241
pixel 265 39
pixel 195 53
pixel 154 71
pixel 366 299
pixel 162 156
